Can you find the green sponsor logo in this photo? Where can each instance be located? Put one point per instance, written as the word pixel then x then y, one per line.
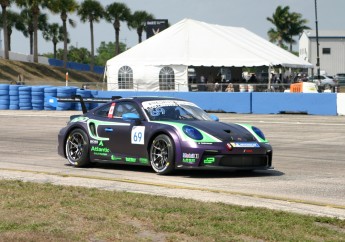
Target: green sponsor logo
pixel 99 149
pixel 143 160
pixel 113 157
pixel 209 160
pixel 188 160
pixel 130 159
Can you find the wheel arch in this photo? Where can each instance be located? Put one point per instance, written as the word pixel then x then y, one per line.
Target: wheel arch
pixel 69 130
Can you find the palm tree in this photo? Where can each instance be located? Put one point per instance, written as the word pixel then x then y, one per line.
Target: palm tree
pixel 296 26
pixel 13 20
pixel 280 32
pixel 4 5
pixel 34 7
pixel 115 13
pixel 138 22
pixel 54 33
pixel 63 7
pixel 28 27
pixel 92 11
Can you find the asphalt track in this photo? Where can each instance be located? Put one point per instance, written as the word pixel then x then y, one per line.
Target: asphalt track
pixel 308 156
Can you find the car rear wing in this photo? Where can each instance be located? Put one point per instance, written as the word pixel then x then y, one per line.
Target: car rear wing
pixel 53 101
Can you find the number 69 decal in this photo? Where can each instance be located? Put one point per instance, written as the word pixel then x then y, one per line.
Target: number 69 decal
pixel 138 135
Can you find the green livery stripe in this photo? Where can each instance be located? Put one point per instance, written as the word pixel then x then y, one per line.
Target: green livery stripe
pixel 207 138
pixel 249 128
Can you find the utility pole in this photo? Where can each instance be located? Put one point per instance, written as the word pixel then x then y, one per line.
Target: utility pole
pixel 317 43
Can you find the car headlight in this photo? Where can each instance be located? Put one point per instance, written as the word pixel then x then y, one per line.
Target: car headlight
pixel 258 132
pixel 192 132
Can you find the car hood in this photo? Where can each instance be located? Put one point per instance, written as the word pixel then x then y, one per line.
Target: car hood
pixel 224 131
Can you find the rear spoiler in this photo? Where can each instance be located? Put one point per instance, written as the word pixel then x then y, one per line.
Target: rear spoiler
pixel 53 101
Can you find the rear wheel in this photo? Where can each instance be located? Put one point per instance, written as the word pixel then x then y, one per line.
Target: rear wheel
pixel 162 154
pixel 77 148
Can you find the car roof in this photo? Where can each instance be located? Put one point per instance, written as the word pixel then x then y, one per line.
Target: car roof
pixel 141 99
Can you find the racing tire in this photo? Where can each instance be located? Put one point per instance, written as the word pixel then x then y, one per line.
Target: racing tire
pixel 162 155
pixel 77 148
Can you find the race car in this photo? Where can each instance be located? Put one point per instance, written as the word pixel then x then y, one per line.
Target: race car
pixel 164 133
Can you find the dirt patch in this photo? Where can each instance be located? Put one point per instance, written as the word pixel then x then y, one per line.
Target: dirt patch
pixel 39 74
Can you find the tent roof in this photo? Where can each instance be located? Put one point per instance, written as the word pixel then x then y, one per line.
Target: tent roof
pixel 194 43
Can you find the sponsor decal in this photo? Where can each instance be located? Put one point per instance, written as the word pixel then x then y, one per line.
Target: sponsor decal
pixel 113 157
pixel 190 155
pixel 245 145
pixel 209 160
pixel 99 149
pixel 189 160
pixel 143 160
pixel 94 142
pixel 204 143
pixel 130 159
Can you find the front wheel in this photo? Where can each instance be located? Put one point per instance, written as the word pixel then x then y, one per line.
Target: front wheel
pixel 77 148
pixel 162 154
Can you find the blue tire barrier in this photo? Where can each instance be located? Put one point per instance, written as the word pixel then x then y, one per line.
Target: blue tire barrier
pixel 4 102
pixel 13 107
pixel 4 107
pixel 4 92
pixel 49 92
pixel 65 92
pixel 13 93
pixel 4 98
pixel 25 108
pixel 14 98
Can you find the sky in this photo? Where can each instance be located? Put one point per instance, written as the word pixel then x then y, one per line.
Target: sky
pixel 250 14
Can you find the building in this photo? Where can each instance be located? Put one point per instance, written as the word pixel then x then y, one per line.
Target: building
pixel 331 50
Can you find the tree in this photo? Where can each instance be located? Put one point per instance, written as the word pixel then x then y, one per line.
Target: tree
pixel 115 13
pixel 296 26
pixel 34 7
pixel 105 52
pixel 54 33
pixel 28 28
pixel 79 55
pixel 63 7
pixel 279 34
pixel 138 22
pixel 287 25
pixel 13 20
pixel 92 11
pixel 4 5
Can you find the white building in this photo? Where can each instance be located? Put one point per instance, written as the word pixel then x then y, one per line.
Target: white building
pixel 331 50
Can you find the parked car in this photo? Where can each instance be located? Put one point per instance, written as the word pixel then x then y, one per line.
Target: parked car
pixel 325 82
pixel 340 79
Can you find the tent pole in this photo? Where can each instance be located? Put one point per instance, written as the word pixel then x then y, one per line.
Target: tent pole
pixel 269 78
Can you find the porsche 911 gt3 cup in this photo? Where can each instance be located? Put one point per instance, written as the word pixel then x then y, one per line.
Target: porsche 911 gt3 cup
pixel 164 133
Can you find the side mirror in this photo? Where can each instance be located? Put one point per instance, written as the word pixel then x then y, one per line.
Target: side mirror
pixel 214 117
pixel 131 117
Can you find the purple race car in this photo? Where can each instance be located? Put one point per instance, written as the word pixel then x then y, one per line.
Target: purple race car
pixel 164 133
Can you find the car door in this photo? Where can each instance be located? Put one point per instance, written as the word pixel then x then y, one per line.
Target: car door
pixel 126 137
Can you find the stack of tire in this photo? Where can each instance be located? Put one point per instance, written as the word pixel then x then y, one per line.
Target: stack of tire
pixel 25 102
pixel 4 97
pixel 85 94
pixel 94 93
pixel 14 97
pixel 65 92
pixel 48 93
pixel 37 97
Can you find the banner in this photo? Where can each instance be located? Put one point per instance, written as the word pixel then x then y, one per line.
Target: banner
pixel 155 26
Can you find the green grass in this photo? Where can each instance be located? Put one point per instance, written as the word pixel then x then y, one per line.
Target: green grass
pixel 45 212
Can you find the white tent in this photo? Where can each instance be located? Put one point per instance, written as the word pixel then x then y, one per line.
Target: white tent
pixel 193 43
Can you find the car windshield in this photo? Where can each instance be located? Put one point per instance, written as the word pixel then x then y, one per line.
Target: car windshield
pixel 173 110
